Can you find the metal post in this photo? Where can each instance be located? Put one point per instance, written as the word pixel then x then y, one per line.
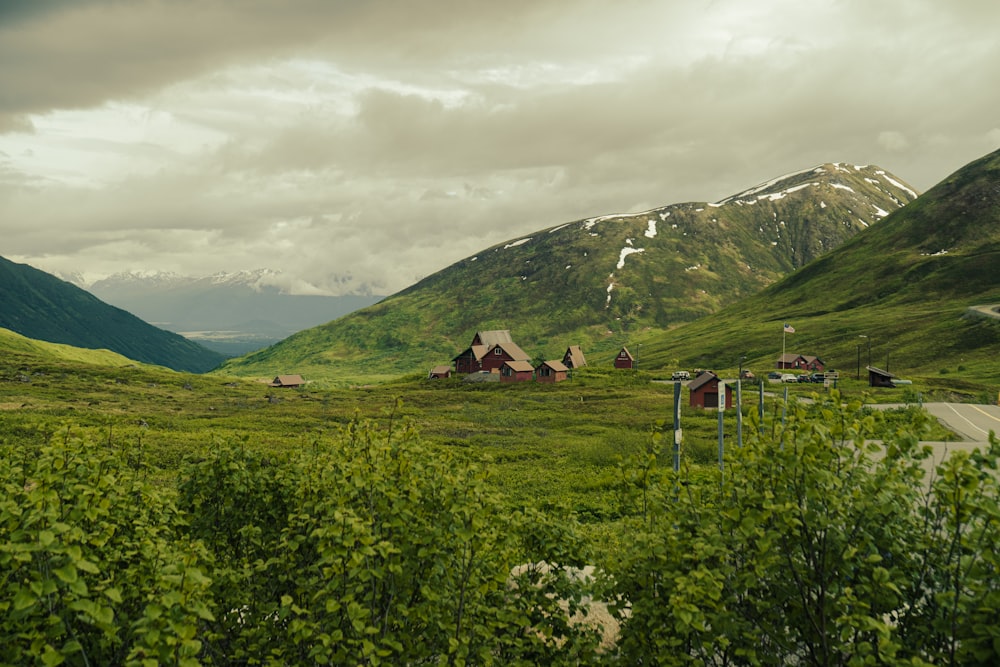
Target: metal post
pixel 760 406
pixel 739 413
pixel 677 426
pixel 722 409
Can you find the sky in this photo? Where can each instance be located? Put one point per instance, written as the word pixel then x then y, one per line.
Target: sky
pixel 357 147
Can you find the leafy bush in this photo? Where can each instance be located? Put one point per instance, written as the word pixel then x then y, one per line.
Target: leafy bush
pixel 368 548
pixel 818 547
pixel 95 567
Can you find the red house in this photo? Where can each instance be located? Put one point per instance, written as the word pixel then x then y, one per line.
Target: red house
pixel 551 372
pixel 516 371
pixel 705 391
pixel 801 362
pixel 624 359
pixel 574 357
pixel 488 351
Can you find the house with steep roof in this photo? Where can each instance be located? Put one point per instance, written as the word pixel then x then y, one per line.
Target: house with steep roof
pixel 574 357
pixel 624 359
pixel 488 352
pixel 551 372
pixel 800 362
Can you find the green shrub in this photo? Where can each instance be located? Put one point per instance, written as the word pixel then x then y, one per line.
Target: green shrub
pixel 95 567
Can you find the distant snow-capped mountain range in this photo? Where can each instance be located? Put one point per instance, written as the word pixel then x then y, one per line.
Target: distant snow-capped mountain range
pixel 232 313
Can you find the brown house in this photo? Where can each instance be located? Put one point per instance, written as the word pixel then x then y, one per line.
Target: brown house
pixel 488 351
pixel 551 371
pixel 287 381
pixel 624 359
pixel 801 362
pixel 705 391
pixel 574 357
pixel 516 371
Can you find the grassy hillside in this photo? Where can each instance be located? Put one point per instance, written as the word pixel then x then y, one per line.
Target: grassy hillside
pixel 906 284
pixel 599 282
pixel 40 306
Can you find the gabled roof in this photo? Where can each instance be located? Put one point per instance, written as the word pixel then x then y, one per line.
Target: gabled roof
pixel 441 370
pixel 288 381
pixel 512 350
pixel 519 366
pixel 879 371
pixel 789 357
pixel 491 338
pixel 575 356
pixel 702 380
pixel 477 352
pixel 810 358
pixel 627 353
pixel 555 365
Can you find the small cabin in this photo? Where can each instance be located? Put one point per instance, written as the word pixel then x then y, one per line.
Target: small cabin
pixel 551 372
pixel 574 357
pixel 705 391
pixel 439 372
pixel 287 381
pixel 879 378
pixel 624 359
pixel 516 371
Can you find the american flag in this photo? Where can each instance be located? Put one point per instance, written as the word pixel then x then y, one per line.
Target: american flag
pixel 789 328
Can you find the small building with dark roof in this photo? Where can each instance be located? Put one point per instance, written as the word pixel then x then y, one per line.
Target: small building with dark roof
pixel 879 378
pixel 705 391
pixel 551 372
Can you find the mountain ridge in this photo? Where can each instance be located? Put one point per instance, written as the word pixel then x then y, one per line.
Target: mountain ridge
pixel 600 280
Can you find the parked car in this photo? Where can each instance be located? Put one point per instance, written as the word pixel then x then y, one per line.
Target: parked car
pixel 818 377
pixel 680 375
pixel 805 377
pixel 789 377
pixel 747 374
pixel 774 375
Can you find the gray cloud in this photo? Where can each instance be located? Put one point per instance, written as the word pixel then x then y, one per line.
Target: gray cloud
pixel 365 145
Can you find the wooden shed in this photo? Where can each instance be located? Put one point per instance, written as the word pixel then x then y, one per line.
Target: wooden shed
pixel 574 357
pixel 516 371
pixel 705 391
pixel 287 381
pixel 439 372
pixel 551 371
pixel 624 359
pixel 879 378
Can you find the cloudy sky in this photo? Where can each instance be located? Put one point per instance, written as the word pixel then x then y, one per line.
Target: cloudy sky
pixel 364 145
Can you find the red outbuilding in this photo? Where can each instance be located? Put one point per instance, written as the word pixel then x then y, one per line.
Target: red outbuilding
pixel 551 371
pixel 705 391
pixel 624 359
pixel 516 371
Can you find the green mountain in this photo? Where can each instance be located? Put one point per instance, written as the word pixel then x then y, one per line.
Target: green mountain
pixel 40 306
pixel 906 287
pixel 598 282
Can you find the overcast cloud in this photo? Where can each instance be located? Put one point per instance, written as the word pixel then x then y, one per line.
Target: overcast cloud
pixel 364 145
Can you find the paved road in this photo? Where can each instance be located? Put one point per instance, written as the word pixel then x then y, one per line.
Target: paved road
pixel 972 422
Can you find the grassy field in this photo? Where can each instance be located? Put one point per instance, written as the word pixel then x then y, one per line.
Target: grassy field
pixel 569 448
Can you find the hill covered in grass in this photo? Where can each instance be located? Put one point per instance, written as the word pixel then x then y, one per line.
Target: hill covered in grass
pixel 40 306
pixel 598 282
pixel 904 286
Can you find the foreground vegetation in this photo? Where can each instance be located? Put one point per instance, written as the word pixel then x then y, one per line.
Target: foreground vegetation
pixel 152 517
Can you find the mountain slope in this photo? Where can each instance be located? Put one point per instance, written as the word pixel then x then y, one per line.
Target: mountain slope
pixel 230 313
pixel 904 287
pixel 38 305
pixel 599 281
